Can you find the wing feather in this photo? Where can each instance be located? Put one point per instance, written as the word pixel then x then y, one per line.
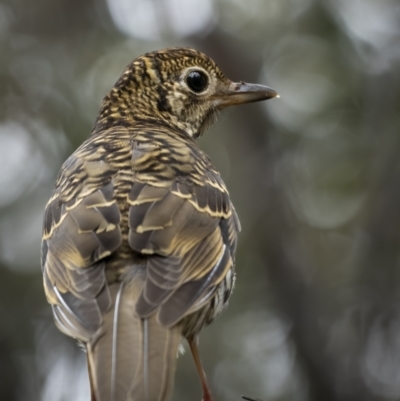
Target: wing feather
pixel 183 224
pixel 78 234
pixel 189 233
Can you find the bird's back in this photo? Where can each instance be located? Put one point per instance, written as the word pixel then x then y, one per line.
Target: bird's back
pixel 139 224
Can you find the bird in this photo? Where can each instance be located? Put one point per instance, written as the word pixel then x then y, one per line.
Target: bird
pixel 139 233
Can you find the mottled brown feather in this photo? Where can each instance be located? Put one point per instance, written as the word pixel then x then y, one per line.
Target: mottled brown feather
pixel 183 224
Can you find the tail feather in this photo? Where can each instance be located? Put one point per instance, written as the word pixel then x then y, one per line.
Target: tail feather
pixel 132 359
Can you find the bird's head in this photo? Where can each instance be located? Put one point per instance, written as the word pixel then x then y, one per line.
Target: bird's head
pixel 181 87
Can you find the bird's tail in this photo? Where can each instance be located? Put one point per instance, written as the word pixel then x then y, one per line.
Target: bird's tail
pixel 132 359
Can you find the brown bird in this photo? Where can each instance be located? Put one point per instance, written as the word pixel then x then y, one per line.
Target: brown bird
pixel 140 234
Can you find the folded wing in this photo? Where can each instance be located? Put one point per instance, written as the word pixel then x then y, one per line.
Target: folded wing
pixel 189 232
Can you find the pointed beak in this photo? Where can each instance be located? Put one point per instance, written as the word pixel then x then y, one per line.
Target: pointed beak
pixel 241 92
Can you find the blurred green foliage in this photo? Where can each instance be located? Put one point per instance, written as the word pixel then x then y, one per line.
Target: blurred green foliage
pixel 314 176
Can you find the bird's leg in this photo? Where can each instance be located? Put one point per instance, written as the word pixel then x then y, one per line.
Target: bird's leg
pixel 196 356
pixel 92 396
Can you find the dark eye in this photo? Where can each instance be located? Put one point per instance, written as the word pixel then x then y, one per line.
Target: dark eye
pixel 197 81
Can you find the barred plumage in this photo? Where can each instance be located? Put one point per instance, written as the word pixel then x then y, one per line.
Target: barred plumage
pixel 140 234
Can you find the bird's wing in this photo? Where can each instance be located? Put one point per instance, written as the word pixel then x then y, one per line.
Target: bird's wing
pixel 184 224
pixel 188 228
pixel 81 228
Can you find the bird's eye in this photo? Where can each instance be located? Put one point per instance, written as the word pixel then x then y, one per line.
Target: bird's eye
pixel 197 81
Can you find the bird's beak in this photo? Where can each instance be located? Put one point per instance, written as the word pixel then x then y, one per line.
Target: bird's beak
pixel 241 92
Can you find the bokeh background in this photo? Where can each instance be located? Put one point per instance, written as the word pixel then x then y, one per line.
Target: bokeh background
pixel 314 175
